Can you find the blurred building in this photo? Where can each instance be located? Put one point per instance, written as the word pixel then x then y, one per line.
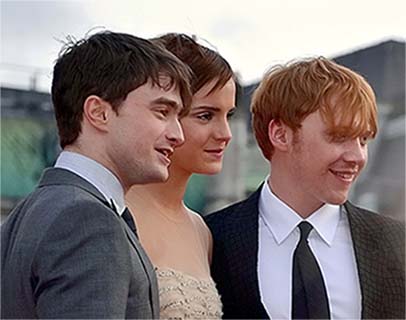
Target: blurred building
pixel 29 142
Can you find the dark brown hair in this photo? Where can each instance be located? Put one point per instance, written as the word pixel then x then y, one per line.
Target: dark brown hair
pixel 109 65
pixel 207 65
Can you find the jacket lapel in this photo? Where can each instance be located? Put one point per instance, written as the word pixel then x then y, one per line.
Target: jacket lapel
pixel 244 259
pixel 148 268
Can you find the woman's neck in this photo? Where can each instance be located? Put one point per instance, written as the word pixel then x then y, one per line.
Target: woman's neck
pixel 168 196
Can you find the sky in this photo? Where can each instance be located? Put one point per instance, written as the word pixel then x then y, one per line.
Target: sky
pixel 252 35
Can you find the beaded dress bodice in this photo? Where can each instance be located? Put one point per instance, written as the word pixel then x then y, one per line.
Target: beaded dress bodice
pixel 185 297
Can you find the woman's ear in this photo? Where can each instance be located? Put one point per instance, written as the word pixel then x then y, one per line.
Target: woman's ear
pixel 97 112
pixel 278 135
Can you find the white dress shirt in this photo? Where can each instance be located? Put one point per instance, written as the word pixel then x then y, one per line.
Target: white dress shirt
pixel 96 174
pixel 331 243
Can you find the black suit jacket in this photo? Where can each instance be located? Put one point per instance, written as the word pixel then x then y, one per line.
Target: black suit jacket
pixel 66 254
pixel 379 245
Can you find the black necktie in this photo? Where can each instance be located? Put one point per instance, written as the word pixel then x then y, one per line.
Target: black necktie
pixel 126 215
pixel 309 296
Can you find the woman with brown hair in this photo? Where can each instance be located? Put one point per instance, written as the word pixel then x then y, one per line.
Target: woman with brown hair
pixel 176 239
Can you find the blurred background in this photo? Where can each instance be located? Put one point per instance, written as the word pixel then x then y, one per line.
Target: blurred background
pixel 368 37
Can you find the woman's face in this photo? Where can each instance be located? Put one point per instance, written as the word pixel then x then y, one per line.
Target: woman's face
pixel 206 130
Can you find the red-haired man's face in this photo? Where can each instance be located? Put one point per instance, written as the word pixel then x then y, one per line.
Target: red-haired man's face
pixel 323 166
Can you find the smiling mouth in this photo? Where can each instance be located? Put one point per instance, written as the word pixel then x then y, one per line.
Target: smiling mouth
pixel 166 153
pixel 347 176
pixel 215 151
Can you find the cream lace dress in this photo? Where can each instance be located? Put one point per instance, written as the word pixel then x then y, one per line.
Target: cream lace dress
pixel 185 297
pixel 173 244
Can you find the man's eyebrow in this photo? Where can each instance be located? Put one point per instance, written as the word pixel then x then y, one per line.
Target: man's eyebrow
pixel 167 102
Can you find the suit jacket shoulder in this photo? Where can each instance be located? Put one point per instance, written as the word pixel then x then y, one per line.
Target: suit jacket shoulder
pixel 380 231
pixel 379 246
pixel 73 256
pixel 246 209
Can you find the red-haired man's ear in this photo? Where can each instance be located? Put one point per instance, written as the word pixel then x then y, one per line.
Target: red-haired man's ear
pixel 278 135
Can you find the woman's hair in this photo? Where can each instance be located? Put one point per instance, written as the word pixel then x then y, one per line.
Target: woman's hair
pixel 206 64
pixel 291 92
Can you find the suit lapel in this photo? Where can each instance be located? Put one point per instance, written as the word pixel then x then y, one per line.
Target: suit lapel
pixel 367 254
pixel 244 257
pixel 148 268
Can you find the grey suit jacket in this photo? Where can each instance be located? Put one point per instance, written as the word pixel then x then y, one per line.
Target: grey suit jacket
pixel 379 245
pixel 66 254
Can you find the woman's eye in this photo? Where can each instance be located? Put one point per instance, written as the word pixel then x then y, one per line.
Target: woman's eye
pixel 230 114
pixel 205 116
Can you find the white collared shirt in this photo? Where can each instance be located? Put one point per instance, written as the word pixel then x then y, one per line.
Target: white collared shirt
pixel 96 174
pixel 331 243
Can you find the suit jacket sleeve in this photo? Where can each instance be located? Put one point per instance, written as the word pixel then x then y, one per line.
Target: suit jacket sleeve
pixel 81 268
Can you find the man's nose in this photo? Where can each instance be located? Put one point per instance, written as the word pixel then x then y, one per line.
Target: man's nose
pixel 356 151
pixel 175 133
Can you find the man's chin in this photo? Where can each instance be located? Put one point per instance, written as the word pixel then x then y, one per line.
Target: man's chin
pixel 159 177
pixel 164 177
pixel 339 200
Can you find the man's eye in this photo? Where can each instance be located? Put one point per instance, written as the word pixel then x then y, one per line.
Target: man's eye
pixel 364 140
pixel 163 112
pixel 339 138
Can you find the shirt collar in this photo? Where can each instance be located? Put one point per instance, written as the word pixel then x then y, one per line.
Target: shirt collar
pixel 95 173
pixel 325 221
pixel 282 220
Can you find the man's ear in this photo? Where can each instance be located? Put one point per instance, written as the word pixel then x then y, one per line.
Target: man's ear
pixel 278 134
pixel 97 112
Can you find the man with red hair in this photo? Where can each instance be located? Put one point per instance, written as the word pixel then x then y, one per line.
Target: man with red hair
pixel 297 248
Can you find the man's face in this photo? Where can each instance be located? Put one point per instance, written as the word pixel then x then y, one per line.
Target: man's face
pixel 144 134
pixel 323 166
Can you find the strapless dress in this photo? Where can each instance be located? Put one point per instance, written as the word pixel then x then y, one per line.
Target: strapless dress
pixel 182 296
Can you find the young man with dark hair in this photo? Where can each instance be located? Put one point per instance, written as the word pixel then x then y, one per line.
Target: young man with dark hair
pixel 66 251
